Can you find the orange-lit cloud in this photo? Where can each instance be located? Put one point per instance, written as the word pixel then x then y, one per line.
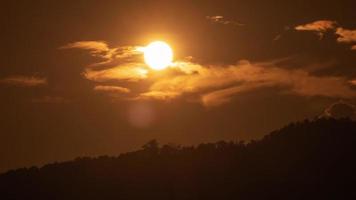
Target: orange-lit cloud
pixel 345 35
pixel 218 84
pixel 353 82
pixel 111 89
pixel 102 50
pixel 214 85
pixel 221 20
pixel 24 81
pixel 130 72
pixel 159 95
pixel 223 96
pixel 320 27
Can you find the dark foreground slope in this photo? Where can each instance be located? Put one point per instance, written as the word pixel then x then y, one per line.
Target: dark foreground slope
pixel 307 160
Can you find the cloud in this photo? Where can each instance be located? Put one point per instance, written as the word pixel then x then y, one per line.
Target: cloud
pixel 221 20
pixel 322 26
pixel 159 95
pixel 211 85
pixel 111 89
pixel 223 96
pixel 345 35
pixel 24 81
pixel 121 62
pixel 339 110
pixel 130 72
pixel 95 47
pixel 319 27
pixel 218 84
pixel 102 50
pixel 353 82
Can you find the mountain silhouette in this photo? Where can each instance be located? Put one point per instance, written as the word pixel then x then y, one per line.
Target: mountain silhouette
pixel 304 160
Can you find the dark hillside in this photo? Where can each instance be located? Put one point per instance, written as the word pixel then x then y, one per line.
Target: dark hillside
pixel 304 160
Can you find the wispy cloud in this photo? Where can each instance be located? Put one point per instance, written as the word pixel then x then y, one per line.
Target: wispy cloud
pixel 319 27
pixel 159 95
pixel 223 96
pixel 322 26
pixel 95 47
pixel 218 84
pixel 221 20
pixel 126 67
pixel 129 72
pixel 213 85
pixel 111 89
pixel 102 50
pixel 24 81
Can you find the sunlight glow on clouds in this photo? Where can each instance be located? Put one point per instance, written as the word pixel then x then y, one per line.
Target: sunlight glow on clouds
pixel 159 95
pixel 320 27
pixel 110 88
pixel 353 82
pixel 101 50
pixel 131 72
pixel 345 35
pixel 211 85
pixel 219 84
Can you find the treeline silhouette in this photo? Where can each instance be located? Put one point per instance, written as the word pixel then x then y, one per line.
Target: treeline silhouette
pixel 305 160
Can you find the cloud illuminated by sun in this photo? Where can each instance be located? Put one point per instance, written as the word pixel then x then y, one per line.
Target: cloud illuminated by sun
pixel 129 67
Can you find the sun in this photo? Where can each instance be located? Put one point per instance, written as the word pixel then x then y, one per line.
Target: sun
pixel 158 55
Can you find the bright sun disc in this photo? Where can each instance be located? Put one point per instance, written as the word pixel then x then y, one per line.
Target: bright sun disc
pixel 158 55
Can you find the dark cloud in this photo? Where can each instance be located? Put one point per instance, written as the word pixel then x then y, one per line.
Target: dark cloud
pixel 222 20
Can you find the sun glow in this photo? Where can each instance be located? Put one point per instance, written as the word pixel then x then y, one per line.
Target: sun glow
pixel 158 55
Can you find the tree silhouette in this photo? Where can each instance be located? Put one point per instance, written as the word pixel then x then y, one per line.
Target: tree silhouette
pixel 304 160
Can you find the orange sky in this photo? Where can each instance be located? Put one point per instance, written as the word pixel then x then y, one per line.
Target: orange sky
pixel 73 81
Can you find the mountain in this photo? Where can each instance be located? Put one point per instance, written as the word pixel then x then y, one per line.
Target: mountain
pixel 305 160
